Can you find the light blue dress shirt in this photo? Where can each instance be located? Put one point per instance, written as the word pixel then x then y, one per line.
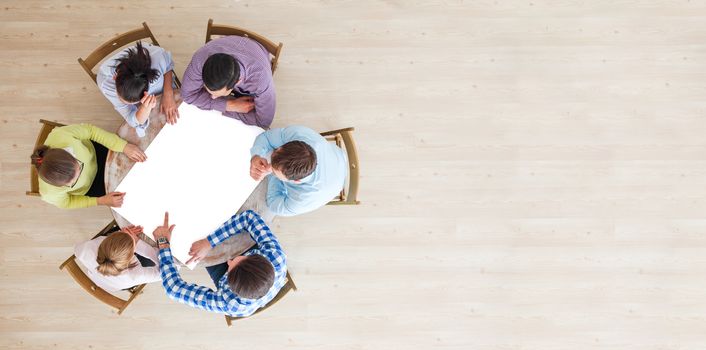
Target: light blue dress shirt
pixel 161 60
pixel 315 190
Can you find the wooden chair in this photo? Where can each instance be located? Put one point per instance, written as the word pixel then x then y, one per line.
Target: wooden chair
pixel 288 286
pixel 344 139
pixel 97 292
pixel 47 127
pixel 271 47
pixel 115 44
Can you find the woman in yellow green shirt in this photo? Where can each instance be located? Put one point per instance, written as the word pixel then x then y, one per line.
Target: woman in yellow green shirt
pixel 71 166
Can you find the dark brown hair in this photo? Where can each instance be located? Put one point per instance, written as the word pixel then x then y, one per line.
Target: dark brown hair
pixel 54 165
pixel 134 73
pixel 252 277
pixel 220 71
pixel 295 159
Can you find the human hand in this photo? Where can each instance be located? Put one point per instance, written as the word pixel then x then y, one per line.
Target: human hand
pixel 148 101
pixel 259 168
pixel 169 108
pixel 243 104
pixel 198 251
pixel 134 231
pixel 112 199
pixel 164 230
pixel 134 153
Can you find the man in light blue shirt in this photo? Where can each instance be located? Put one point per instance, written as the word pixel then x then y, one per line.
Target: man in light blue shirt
pixel 148 70
pixel 306 171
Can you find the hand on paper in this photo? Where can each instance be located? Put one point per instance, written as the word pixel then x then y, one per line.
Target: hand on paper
pixel 199 250
pixel 112 199
pixel 259 168
pixel 164 230
pixel 169 108
pixel 134 153
pixel 243 104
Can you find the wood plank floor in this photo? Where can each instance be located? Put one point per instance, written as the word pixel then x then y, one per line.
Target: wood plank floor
pixel 534 175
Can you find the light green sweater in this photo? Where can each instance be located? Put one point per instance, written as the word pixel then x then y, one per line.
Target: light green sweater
pixel 77 140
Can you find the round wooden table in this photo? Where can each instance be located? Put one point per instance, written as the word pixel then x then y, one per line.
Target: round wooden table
pixel 117 166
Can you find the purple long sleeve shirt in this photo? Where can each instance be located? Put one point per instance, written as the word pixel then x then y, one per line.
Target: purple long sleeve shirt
pixel 255 79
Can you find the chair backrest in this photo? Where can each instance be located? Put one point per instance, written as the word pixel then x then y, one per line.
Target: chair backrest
pixel 344 139
pixel 116 43
pixel 288 286
pixel 97 292
pixel 47 127
pixel 222 30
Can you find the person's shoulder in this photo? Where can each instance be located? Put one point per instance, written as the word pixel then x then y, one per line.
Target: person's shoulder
pixel 157 52
pixel 301 129
pixel 57 136
pixel 152 48
pixel 87 251
pixel 306 134
pixel 49 192
pixel 107 68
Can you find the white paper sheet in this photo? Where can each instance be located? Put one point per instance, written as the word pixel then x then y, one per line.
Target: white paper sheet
pixel 198 170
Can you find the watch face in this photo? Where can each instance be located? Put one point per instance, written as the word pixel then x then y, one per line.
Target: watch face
pixel 161 240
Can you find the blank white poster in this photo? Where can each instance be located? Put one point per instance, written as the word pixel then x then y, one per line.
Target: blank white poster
pixel 198 170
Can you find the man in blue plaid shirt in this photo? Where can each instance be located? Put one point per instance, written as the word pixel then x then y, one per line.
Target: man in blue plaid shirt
pixel 243 284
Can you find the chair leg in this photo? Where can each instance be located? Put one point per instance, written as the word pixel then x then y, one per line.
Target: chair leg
pixel 291 280
pixel 228 321
pixel 133 294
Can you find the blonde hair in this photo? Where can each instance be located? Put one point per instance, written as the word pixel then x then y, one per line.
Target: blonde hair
pixel 115 254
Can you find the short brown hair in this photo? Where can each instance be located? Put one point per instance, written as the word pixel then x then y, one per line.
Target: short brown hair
pixel 252 277
pixel 295 159
pixel 54 165
pixel 115 254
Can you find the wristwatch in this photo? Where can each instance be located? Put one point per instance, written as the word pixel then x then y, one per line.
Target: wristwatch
pixel 162 240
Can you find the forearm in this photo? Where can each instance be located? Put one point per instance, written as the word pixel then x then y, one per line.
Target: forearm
pixel 108 139
pixel 264 111
pixel 277 200
pixel 250 118
pixel 277 204
pixel 228 229
pixel 75 202
pixel 236 224
pixel 167 270
pixel 186 293
pixel 142 115
pixel 168 82
pixel 266 241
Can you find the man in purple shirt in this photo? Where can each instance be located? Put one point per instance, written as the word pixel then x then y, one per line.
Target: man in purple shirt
pixel 232 75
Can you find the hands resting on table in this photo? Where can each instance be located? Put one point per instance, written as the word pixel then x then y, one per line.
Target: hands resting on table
pixel 199 249
pixel 115 199
pixel 259 168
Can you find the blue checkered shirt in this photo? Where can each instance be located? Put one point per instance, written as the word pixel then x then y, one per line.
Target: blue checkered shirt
pixel 223 299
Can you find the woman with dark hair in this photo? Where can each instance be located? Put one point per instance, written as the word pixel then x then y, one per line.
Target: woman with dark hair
pixel 131 79
pixel 71 166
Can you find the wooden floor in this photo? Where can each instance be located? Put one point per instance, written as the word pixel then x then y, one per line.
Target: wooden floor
pixel 534 175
